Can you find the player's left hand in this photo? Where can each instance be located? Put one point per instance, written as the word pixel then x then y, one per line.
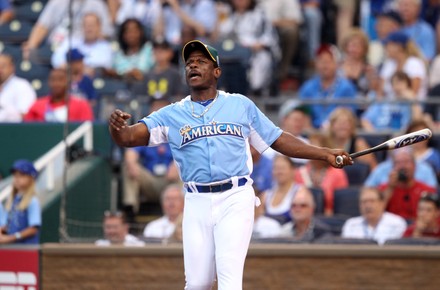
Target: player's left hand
pixel 118 119
pixel 334 153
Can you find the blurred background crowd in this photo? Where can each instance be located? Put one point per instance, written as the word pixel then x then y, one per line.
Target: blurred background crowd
pixel 337 73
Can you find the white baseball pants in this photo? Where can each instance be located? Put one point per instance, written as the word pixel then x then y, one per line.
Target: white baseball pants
pixel 217 229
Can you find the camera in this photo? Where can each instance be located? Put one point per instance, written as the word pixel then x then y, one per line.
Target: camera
pixel 402 175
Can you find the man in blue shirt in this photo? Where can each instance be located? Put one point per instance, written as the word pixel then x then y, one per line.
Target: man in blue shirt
pixel 421 32
pixel 327 86
pixel 210 133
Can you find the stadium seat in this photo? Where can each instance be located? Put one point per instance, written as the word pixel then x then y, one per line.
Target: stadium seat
pixel 110 87
pixel 335 222
pixel 12 50
pixel 15 32
pixel 30 71
pixel 346 201
pixel 40 86
pixel 42 55
pixel 357 173
pixel 29 11
pixel 414 241
pixel 375 139
pixel 345 241
pixel 318 196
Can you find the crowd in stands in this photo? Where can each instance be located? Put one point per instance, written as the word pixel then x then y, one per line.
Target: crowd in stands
pixel 350 71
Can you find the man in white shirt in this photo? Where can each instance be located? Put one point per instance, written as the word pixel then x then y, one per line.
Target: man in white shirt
pixel 115 228
pixel 97 50
pixel 16 94
pixel 374 223
pixel 172 206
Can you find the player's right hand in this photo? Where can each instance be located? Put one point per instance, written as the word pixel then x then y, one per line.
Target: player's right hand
pixel 118 119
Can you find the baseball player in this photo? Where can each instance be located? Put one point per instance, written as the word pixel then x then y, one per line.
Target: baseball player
pixel 210 133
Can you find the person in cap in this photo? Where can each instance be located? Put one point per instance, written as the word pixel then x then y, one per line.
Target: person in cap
pixel 210 133
pixel 387 22
pixel 23 212
pixel 81 83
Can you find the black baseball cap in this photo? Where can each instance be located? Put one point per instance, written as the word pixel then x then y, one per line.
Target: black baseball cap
pixel 197 45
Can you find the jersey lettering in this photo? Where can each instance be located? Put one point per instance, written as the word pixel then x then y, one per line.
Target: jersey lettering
pixel 190 134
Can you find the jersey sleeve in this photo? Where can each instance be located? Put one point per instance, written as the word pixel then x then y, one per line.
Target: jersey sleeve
pixel 263 131
pixel 34 213
pixel 158 126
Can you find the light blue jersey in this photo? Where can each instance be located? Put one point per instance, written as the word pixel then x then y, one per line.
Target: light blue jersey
pixel 221 136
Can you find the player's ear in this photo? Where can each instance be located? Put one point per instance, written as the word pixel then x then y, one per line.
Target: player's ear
pixel 217 72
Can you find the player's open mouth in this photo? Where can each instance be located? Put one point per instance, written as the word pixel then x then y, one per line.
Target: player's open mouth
pixel 193 75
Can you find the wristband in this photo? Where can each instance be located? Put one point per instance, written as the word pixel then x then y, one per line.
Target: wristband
pixel 17 236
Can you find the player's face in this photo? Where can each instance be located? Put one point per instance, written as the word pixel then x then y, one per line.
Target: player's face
pixel 200 71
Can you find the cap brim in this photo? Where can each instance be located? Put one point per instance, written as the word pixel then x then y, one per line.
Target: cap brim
pixel 196 45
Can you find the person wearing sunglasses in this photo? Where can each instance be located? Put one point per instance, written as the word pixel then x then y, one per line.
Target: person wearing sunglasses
pixel 304 227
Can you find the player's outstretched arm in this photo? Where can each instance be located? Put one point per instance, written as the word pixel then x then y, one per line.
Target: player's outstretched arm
pixel 289 145
pixel 124 135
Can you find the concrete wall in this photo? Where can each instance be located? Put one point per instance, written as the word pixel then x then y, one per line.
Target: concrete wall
pixel 268 266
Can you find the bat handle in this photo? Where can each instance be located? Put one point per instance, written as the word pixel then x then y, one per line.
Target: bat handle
pixel 339 160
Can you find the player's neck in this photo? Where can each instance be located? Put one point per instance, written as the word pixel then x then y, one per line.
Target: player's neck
pixel 203 95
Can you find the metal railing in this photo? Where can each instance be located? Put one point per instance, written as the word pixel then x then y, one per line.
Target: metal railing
pixel 47 161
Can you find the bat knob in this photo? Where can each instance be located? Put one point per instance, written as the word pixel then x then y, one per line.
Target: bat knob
pixel 339 160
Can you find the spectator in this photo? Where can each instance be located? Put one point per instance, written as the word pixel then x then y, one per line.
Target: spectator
pixel 3 216
pixel 403 191
pixel 304 227
pixel 22 207
pixel 396 111
pixel 16 94
pixel 81 84
pixel 280 195
pixel 380 174
pixel 387 22
pixel 264 226
pixel 262 171
pixel 249 26
pixel 116 229
pixel 295 118
pixel 97 51
pixel 344 18
pixel 424 151
pixel 313 22
pixel 53 23
pixel 147 12
pixel 418 29
pixel 354 66
pixel 342 133
pixel 147 171
pixel 326 85
pixel 403 55
pixel 6 12
pixel 198 15
pixel 135 55
pixel 164 80
pixel 374 223
pixel 172 200
pixel 427 223
pixel 53 108
pixel 286 17
pixel 317 173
